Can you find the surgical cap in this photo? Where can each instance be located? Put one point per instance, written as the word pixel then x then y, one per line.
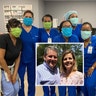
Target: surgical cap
pixel 67 15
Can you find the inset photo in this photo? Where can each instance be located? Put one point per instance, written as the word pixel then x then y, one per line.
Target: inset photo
pixel 59 64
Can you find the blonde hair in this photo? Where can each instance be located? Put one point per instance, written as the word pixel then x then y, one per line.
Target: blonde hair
pixel 62 67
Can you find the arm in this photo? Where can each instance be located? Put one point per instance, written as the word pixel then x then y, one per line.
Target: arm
pixel 3 63
pixel 17 62
pixel 38 78
pixel 91 69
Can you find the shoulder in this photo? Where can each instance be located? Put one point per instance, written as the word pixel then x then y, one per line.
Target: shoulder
pixel 79 74
pixel 75 38
pixel 35 28
pixel 79 25
pixel 93 38
pixel 54 29
pixel 58 37
pixel 41 29
pixel 4 37
pixel 40 67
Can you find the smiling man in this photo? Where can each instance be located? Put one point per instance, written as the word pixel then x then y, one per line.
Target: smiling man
pixel 48 73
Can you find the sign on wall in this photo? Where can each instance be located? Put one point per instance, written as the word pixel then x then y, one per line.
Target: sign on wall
pixel 14 11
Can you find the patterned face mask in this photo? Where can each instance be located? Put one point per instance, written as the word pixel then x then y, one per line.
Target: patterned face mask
pixel 86 34
pixel 16 32
pixel 47 25
pixel 67 32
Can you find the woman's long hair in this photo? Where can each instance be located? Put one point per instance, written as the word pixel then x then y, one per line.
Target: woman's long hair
pixel 62 67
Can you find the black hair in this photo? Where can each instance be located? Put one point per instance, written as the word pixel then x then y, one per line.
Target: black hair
pixel 47 15
pixel 28 11
pixel 88 24
pixel 13 22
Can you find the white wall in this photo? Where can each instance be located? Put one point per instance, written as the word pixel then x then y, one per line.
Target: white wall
pixel 37 8
pixel 86 10
pixel 41 11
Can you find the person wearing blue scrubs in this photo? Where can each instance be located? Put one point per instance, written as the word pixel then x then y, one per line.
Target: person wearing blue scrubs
pixel 29 36
pixel 72 16
pixel 47 33
pixel 66 33
pixel 66 36
pixel 89 88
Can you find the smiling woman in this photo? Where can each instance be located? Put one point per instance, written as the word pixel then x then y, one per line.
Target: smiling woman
pixel 69 73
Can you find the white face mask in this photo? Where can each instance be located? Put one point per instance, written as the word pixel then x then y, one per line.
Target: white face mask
pixel 74 21
pixel 86 34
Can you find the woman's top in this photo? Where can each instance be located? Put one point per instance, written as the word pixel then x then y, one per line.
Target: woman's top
pixel 77 32
pixel 76 78
pixel 11 51
pixel 90 54
pixel 60 38
pixel 28 44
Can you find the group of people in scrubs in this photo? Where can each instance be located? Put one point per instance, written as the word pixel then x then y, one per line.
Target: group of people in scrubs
pixel 71 31
pixel 24 49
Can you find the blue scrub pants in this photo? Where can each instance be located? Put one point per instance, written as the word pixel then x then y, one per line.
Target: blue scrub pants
pixel 89 88
pixel 47 91
pixel 30 78
pixel 79 91
pixel 71 90
pixel 8 88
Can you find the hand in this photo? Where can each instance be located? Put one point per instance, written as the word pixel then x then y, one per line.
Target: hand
pixel 90 71
pixel 14 78
pixel 9 77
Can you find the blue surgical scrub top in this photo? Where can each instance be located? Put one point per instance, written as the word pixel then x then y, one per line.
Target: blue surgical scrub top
pixel 60 38
pixel 44 35
pixel 77 32
pixel 28 40
pixel 90 58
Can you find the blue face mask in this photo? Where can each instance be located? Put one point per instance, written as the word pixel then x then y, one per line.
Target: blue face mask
pixel 74 21
pixel 86 34
pixel 28 21
pixel 67 32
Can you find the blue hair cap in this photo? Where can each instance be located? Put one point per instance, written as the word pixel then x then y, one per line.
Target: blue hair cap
pixel 67 15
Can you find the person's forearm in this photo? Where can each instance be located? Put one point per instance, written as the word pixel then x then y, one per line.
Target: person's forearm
pixel 93 66
pixel 4 66
pixel 17 62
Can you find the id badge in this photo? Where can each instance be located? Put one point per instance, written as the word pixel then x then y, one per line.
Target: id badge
pixel 90 50
pixel 49 40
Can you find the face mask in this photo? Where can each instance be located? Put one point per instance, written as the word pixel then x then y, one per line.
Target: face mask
pixel 47 25
pixel 16 32
pixel 67 32
pixel 85 34
pixel 74 21
pixel 28 21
